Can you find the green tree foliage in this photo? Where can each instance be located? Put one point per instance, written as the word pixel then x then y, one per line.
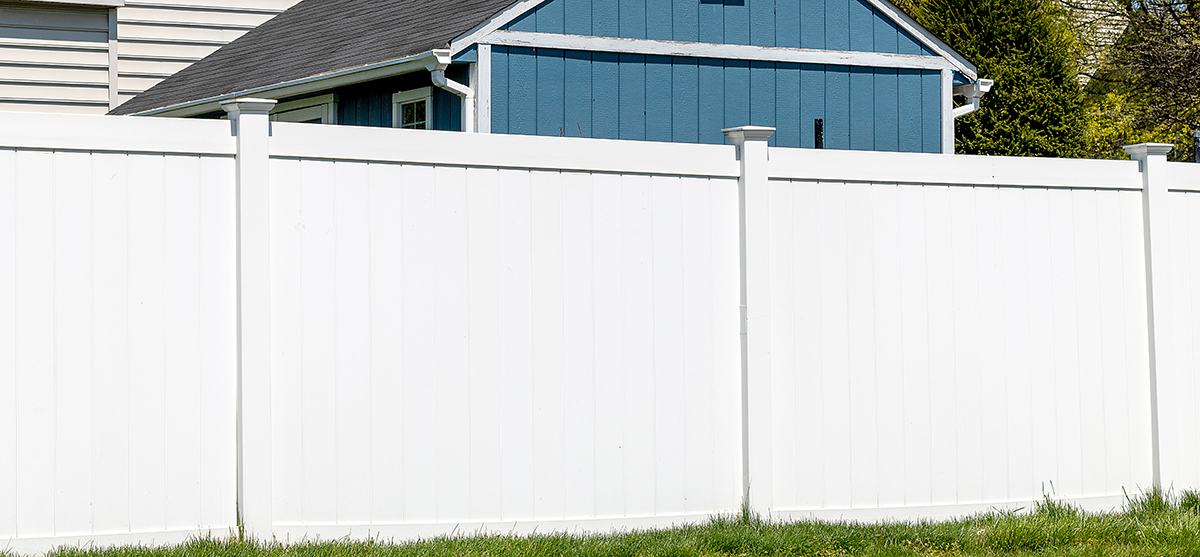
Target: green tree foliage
pixel 1036 107
pixel 1145 86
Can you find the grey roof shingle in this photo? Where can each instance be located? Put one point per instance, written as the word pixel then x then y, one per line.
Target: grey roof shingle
pixel 317 37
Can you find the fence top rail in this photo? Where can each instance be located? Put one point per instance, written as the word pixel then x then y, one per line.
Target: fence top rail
pixel 1183 176
pixel 351 143
pixel 128 134
pixel 962 170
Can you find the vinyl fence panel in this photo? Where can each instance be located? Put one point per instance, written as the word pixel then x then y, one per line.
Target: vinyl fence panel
pixel 118 338
pixel 499 346
pixel 952 346
pixel 334 331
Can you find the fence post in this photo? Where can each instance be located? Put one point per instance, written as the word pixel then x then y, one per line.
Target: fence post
pixel 250 122
pixel 753 234
pixel 1152 159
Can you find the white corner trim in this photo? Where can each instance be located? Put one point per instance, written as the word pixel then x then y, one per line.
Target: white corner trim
pixel 947 95
pixel 483 89
pixel 492 24
pixel 711 50
pixel 928 39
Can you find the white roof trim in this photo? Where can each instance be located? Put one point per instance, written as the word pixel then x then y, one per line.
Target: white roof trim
pixel 492 24
pixel 305 85
pixel 88 3
pixel 713 50
pixel 505 16
pixel 928 39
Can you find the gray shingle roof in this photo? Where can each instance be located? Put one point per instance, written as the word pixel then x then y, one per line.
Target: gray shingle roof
pixel 317 37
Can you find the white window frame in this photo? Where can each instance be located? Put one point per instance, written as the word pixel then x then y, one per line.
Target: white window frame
pixel 412 95
pixel 322 108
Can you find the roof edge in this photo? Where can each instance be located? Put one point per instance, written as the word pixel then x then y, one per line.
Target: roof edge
pixel 924 35
pixel 889 10
pixel 312 84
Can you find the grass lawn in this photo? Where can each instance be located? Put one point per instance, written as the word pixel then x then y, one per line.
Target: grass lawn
pixel 1151 524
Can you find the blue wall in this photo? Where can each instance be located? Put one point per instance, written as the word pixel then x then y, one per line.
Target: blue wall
pixel 370 104
pixel 689 100
pixel 821 24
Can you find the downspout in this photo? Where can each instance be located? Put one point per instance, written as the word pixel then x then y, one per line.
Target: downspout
pixel 973 92
pixel 437 74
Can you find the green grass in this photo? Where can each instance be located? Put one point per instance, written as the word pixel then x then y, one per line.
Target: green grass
pixel 1155 523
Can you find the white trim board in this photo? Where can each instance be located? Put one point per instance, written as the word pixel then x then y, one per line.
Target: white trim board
pixel 314 84
pixel 954 60
pixel 928 39
pixel 712 50
pixel 492 24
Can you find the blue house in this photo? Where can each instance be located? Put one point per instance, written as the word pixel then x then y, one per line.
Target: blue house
pixel 838 74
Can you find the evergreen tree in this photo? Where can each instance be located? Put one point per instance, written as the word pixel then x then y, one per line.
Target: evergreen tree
pixel 1036 107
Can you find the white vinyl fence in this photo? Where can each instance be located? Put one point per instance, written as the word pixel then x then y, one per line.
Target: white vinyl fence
pixel 336 331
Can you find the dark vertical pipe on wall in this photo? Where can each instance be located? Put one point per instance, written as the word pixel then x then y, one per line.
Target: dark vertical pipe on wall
pixel 1196 146
pixel 819 133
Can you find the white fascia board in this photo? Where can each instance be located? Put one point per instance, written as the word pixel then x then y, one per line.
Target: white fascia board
pixel 928 39
pixel 94 3
pixel 504 17
pixel 303 86
pixel 711 50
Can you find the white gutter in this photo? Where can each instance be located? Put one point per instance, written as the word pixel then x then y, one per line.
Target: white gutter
pixel 437 74
pixel 302 86
pixel 973 92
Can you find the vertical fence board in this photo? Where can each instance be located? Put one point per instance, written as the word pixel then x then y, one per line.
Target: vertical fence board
pixel 964 261
pixel 609 354
pixel 420 384
pixel 1042 327
pixel 579 350
pixel 482 252
pixel 1065 315
pixel 860 309
pixel 8 340
pixel 483 256
pixel 386 210
pixel 670 420
pixel 549 436
pixel 1015 331
pixel 699 351
pixel 353 368
pixel 516 345
pixel 35 343
pixel 287 337
pixel 785 453
pixel 318 351
pixel 73 373
pixel 450 323
pixel 637 226
pixel 942 388
pixel 887 317
pixel 181 304
pixel 218 351
pixel 147 428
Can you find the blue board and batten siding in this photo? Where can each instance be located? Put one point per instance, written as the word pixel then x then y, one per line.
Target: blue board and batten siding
pixel 848 25
pixel 665 98
pixel 690 100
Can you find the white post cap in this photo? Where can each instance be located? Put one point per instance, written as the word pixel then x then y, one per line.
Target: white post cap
pixel 248 106
pixel 743 133
pixel 1146 149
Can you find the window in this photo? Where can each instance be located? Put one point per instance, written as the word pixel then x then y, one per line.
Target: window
pixel 410 109
pixel 313 110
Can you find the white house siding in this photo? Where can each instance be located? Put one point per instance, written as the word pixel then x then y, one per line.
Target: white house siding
pixel 56 58
pixel 53 59
pixel 157 39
